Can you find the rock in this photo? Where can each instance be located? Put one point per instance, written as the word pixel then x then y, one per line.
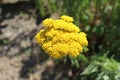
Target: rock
pixel 11 1
pixel 20 32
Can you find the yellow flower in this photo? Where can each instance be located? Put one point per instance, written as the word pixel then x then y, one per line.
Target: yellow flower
pixel 75 49
pixel 61 38
pixel 48 22
pixel 62 25
pixel 83 40
pixel 40 37
pixel 67 18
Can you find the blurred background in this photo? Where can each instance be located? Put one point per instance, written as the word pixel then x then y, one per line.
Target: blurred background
pixel 22 59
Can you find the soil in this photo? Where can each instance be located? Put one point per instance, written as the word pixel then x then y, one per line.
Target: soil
pixel 20 57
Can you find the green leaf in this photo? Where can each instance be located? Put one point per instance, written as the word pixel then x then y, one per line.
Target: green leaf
pixel 106 77
pixel 81 57
pixel 90 69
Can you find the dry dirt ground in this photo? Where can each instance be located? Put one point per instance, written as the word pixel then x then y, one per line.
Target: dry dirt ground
pixel 20 57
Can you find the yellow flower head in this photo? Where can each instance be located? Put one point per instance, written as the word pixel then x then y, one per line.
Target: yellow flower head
pixel 40 37
pixel 48 23
pixel 62 25
pixel 61 38
pixel 67 18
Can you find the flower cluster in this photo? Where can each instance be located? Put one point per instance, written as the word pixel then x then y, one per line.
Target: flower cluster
pixel 61 37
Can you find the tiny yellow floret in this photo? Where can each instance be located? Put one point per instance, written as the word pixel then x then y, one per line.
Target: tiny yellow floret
pixel 61 38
